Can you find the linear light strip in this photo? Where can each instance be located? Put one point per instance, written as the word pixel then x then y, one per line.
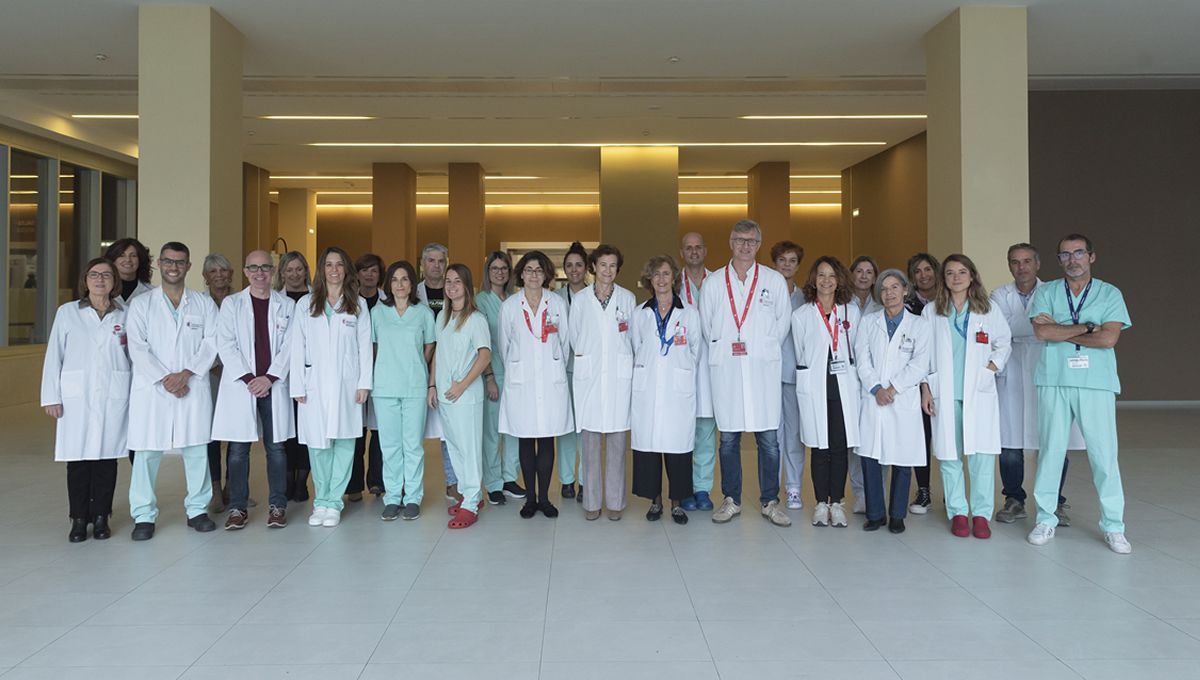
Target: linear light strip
pixel 105 116
pixel 576 205
pixel 884 116
pixel 577 145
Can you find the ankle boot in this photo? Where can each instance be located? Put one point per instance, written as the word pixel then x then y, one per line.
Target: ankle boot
pixel 100 530
pixel 78 530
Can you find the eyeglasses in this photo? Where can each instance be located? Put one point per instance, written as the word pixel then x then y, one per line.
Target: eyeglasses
pixel 1077 254
pixel 100 276
pixel 745 242
pixel 498 270
pixel 530 271
pixel 168 262
pixel 256 268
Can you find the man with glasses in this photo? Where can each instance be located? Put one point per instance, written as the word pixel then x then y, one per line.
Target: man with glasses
pixel 1080 319
pixel 254 402
pixel 172 345
pixel 745 313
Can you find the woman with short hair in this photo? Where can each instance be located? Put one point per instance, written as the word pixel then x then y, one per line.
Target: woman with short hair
pixel 293 280
pixel 575 269
pixel 499 468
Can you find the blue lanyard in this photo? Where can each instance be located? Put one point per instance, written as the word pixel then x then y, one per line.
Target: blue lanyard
pixel 664 343
pixel 1071 302
pixel 966 321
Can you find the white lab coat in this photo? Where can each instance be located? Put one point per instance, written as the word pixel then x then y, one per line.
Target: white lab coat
pixel 664 387
pixel 788 348
pixel 160 343
pixel 691 298
pixel 981 404
pixel 535 401
pixel 814 346
pixel 892 434
pixel 603 350
pixel 867 309
pixel 236 415
pixel 1018 394
pixel 331 360
pixel 433 421
pixel 87 370
pixel 750 393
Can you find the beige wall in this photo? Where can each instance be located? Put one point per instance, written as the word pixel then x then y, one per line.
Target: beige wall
pixel 888 189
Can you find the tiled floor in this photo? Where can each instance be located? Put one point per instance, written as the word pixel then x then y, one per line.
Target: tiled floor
pixel 573 599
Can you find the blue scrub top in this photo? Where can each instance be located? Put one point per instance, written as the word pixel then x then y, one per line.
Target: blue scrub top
pixel 1104 304
pixel 489 304
pixel 959 344
pixel 456 351
pixel 400 370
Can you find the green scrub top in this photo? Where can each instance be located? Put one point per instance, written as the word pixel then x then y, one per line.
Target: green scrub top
pixel 957 320
pixel 400 370
pixel 1104 303
pixel 456 351
pixel 489 305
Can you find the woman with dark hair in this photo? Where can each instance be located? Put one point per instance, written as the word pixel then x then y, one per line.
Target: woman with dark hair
pixel 923 272
pixel 499 469
pixel 824 330
pixel 292 279
pixel 787 257
pixel 85 387
pixel 403 332
pixel 575 269
pixel 535 406
pixel 132 260
pixel 970 341
pixel 464 350
pixel 331 378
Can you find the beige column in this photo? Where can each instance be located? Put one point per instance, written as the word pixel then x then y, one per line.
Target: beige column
pixel 394 212
pixel 978 140
pixel 257 232
pixel 639 206
pixel 769 199
pixel 466 217
pixel 189 132
pixel 298 222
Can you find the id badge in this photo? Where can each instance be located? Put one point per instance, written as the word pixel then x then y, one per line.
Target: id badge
pixel 680 339
pixel 837 367
pixel 981 337
pixel 550 328
pixel 1077 362
pixel 622 326
pixel 739 348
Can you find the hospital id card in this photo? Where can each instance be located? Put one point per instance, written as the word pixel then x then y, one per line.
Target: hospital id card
pixel 1077 361
pixel 739 348
pixel 837 367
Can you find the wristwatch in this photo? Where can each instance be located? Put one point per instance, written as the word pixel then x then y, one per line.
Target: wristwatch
pixel 1090 327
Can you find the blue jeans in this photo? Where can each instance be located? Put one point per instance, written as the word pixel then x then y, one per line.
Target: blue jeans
pixel 767 444
pixel 1012 475
pixel 239 464
pixel 897 493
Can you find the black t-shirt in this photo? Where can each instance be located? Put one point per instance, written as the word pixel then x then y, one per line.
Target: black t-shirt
pixel 371 300
pixel 436 297
pixel 295 295
pixel 127 288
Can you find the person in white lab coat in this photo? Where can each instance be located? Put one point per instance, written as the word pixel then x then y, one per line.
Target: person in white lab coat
pixel 330 378
pixel 500 458
pixel 462 354
pixel 893 358
pixel 969 343
pixel 1018 395
pixel 924 271
pixel 744 311
pixel 535 406
pixel 863 271
pixel 133 267
pixel 603 380
pixel 827 390
pixel 85 387
pixel 292 279
pixel 704 451
pixel 218 282
pixel 172 345
pixel 787 257
pixel 569 450
pixel 431 291
pixel 254 402
pixel 666 343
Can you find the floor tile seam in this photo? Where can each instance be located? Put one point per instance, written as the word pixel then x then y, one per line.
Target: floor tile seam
pixel 35 652
pixel 692 603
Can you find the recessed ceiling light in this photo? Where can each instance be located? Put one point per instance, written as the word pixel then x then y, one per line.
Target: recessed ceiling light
pixel 100 56
pixel 317 117
pixel 673 59
pixel 882 116
pixel 106 116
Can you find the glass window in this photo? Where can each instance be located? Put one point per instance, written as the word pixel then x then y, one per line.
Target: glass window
pixel 22 253
pixel 109 185
pixel 70 232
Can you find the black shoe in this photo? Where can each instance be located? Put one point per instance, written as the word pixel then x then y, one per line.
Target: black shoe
pixel 513 490
pixel 202 523
pixel 144 531
pixel 579 496
pixel 497 498
pixel 78 532
pixel 654 513
pixel 529 509
pixel 679 515
pixel 100 528
pixel 873 524
pixel 568 491
pixel 375 491
pixel 896 526
pixel 547 509
pixel 301 490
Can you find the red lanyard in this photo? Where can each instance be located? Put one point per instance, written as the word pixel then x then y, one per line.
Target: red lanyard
pixel 529 323
pixel 688 286
pixel 832 329
pixel 738 321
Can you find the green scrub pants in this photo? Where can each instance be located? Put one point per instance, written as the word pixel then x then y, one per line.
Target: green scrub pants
pixel 498 468
pixel 331 472
pixel 704 454
pixel 143 504
pixel 463 425
pixel 567 446
pixel 401 428
pixel 981 467
pixel 1096 413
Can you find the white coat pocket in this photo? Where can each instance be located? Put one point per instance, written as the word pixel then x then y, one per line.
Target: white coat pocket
pixel 685 381
pixel 71 384
pixel 987 380
pixel 118 385
pixel 641 375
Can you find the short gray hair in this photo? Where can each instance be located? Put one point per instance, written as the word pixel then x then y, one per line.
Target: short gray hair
pixel 216 261
pixel 890 273
pixel 435 246
pixel 743 226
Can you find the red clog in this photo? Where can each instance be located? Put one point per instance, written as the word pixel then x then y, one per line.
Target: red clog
pixel 980 528
pixel 958 526
pixel 463 519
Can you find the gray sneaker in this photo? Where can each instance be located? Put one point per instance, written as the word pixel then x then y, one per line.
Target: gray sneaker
pixel 390 513
pixel 776 515
pixel 411 511
pixel 727 511
pixel 1064 520
pixel 1013 510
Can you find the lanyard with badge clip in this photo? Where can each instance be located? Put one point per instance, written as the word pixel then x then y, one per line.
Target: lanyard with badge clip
pixel 1075 311
pixel 546 328
pixel 739 347
pixel 837 366
pixel 687 286
pixel 664 345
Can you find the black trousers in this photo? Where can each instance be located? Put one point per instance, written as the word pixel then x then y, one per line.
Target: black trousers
pixel 537 464
pixel 297 453
pixel 90 487
pixel 919 471
pixel 214 462
pixel 830 466
pixel 648 474
pixel 374 467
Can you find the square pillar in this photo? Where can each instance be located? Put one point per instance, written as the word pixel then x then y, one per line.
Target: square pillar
pixel 639 206
pixel 466 217
pixel 769 200
pixel 394 212
pixel 978 135
pixel 190 132
pixel 257 233
pixel 298 222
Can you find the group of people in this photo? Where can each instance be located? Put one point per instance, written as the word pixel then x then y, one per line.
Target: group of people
pixel 872 372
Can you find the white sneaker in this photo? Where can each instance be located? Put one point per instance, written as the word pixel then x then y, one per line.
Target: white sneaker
pixel 778 517
pixel 860 505
pixel 317 517
pixel 821 515
pixel 793 500
pixel 332 518
pixel 837 515
pixel 1041 534
pixel 727 511
pixel 1117 542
